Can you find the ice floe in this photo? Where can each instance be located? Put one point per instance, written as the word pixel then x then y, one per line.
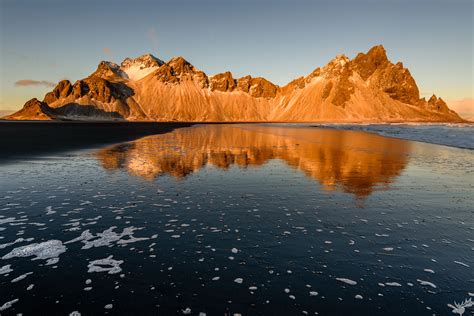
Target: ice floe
pixel 422 282
pixel 45 250
pixel 107 238
pixel 108 265
pixel 6 269
pixel 347 281
pixel 21 277
pixel 8 304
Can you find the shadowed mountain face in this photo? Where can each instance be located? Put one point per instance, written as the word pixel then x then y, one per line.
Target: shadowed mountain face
pixel 367 88
pixel 354 162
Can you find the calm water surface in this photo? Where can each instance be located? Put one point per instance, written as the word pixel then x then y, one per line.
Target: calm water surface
pixel 249 219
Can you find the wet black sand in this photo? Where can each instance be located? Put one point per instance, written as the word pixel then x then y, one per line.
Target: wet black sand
pixel 26 138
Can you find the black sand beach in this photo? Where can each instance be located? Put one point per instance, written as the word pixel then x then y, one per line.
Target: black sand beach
pixel 27 138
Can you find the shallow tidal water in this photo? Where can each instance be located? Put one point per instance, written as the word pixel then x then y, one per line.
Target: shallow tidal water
pixel 247 219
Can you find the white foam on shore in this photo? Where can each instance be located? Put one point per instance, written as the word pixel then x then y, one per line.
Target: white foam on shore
pixel 107 238
pixel 422 282
pixel 392 284
pixel 45 250
pixel 462 264
pixel 454 135
pixel 18 240
pixel 6 269
pixel 347 281
pixel 10 220
pixel 108 265
pixel 21 277
pixel 8 304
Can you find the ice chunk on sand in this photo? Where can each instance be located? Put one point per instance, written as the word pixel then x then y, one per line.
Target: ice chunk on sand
pixel 107 237
pixel 45 250
pixel 21 277
pixel 347 281
pixel 422 282
pixel 462 263
pixel 8 304
pixel 5 269
pixel 108 265
pixel 393 284
pixel 239 280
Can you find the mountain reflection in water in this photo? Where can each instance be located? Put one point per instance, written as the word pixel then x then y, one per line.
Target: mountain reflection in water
pixel 354 162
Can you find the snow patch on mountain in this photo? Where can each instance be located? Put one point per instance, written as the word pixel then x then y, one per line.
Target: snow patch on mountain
pixel 140 67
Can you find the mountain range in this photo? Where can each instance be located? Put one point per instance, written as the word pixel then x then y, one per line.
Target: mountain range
pixel 367 88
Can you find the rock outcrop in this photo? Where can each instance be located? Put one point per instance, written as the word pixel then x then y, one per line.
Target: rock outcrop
pixel 367 88
pixel 33 109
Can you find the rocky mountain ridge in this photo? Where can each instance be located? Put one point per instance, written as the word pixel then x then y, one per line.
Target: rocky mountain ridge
pixel 367 88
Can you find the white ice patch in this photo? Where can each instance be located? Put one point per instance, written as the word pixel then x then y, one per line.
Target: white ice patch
pixel 49 210
pixel 393 284
pixel 462 264
pixel 460 308
pixel 5 269
pixel 137 72
pixel 107 238
pixel 239 280
pixel 8 244
pixel 21 277
pixel 45 250
pixel 347 281
pixel 8 304
pixel 9 220
pixel 426 283
pixel 108 265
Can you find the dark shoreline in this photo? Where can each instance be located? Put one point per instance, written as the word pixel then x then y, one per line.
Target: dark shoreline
pixel 22 139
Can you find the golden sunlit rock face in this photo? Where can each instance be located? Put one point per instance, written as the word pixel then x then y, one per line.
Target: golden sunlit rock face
pixel 368 88
pixel 354 162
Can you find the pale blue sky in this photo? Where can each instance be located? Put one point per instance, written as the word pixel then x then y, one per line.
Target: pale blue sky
pixel 48 40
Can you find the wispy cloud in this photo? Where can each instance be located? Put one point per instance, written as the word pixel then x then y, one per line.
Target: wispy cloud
pixel 107 51
pixel 31 82
pixel 464 107
pixel 153 37
pixel 17 54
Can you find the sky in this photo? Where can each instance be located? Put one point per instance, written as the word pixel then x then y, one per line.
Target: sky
pixel 44 41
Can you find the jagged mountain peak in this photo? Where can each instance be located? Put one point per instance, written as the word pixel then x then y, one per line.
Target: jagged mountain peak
pixel 143 61
pixel 180 64
pixel 366 63
pixel 335 67
pixel 378 52
pixel 108 69
pixel 140 67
